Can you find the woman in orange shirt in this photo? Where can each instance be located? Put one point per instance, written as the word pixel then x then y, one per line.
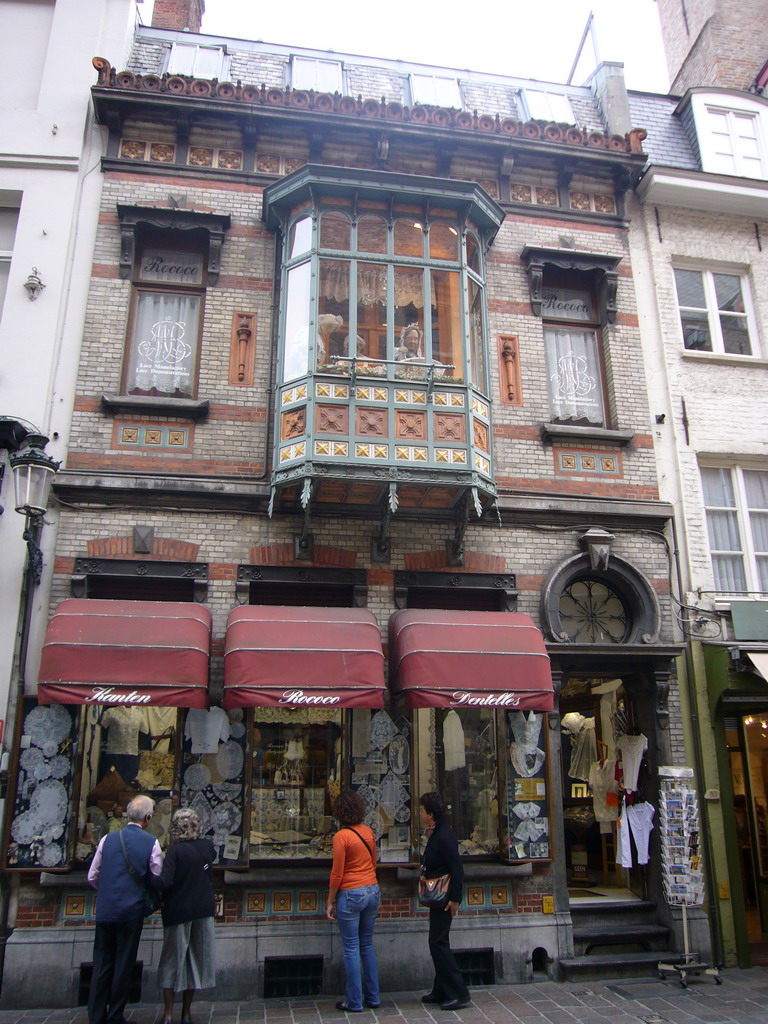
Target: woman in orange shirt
pixel 354 890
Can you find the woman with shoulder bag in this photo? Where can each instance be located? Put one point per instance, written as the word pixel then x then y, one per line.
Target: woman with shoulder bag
pixel 187 960
pixel 354 890
pixel 441 857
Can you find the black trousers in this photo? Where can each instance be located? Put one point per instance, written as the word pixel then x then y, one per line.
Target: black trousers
pixel 115 946
pixel 449 982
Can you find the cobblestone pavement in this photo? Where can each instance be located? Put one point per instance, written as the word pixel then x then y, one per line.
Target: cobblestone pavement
pixel 742 999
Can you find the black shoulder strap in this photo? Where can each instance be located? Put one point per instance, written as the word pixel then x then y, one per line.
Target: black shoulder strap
pixel 365 844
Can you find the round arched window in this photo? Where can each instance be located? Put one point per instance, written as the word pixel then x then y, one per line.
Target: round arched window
pixel 592 612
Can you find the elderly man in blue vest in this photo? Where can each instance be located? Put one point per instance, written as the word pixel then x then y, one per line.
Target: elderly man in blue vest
pixel 120 871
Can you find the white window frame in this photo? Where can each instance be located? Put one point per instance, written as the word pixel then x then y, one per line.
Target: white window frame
pixel 541 105
pixel 731 160
pixel 713 311
pixel 747 551
pixel 178 48
pixel 6 255
pixel 306 74
pixel 436 91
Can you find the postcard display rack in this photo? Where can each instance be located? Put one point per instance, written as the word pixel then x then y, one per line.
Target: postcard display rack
pixel 683 878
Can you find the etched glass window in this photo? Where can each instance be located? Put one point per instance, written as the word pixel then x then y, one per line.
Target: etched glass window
pixel 574 377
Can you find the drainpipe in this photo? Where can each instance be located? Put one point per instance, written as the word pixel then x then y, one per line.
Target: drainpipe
pixel 715 924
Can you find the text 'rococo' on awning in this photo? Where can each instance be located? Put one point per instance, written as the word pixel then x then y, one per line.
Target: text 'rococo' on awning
pixel 279 656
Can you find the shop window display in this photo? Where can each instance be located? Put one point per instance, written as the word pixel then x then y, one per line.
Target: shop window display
pixel 296 773
pixel 213 778
pixel 126 750
pixel 458 757
pixel 380 759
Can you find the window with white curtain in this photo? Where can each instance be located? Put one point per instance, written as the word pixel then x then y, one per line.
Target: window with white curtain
pixel 163 337
pixel 548 106
pixel 574 375
pixel 436 91
pixel 736 505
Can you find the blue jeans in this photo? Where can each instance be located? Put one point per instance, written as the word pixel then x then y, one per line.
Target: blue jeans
pixel 356 911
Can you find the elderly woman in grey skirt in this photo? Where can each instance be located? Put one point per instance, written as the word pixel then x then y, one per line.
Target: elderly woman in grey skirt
pixel 187 959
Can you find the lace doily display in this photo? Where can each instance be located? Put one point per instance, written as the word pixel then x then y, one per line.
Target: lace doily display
pixel 230 759
pixel 383 730
pixel 399 755
pixel 49 802
pixel 51 856
pixel 197 776
pixel 48 725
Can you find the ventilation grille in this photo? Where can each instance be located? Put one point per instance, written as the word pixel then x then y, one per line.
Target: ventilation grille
pixel 288 976
pixel 477 965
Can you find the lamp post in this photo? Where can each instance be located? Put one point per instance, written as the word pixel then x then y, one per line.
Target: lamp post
pixel 33 472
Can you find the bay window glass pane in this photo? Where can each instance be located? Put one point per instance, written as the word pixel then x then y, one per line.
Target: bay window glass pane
pixel 573 371
pixel 446 323
pixel 457 757
pixel 762 572
pixel 163 349
pixel 300 239
pixel 759 523
pixel 409 237
pixel 371 311
pixel 696 330
pixel 476 339
pixel 333 309
pixel 690 288
pixel 735 335
pixel 296 354
pixel 334 231
pixel 296 769
pixel 409 309
pixel 372 234
pixel 473 254
pixel 443 241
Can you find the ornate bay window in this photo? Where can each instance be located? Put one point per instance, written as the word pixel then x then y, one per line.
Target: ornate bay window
pixel 382 369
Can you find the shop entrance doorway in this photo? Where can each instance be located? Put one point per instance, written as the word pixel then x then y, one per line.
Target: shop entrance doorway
pixel 594 714
pixel 747 739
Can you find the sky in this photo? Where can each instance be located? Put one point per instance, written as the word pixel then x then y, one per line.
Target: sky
pixel 520 38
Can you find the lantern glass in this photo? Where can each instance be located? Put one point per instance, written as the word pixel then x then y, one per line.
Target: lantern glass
pixel 33 472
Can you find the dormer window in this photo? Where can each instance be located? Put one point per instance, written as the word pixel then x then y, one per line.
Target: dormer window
pixel 435 91
pixel 196 61
pixel 548 106
pixel 319 75
pixel 731 131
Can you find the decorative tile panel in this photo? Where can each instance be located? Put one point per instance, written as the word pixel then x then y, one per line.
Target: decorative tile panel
pixel 321 391
pixel 371 394
pixel 479 407
pixel 130 149
pixel 334 448
pixel 482 464
pixel 200 157
pixel 141 436
pixel 293 451
pixel 521 194
pixel 296 394
pixel 76 906
pixel 605 204
pixel 332 419
pixel 499 895
pixel 546 197
pixel 475 895
pixel 293 423
pixel 371 451
pixel 162 152
pixel 588 462
pixel 450 427
pixel 254 903
pixel 308 902
pixel 282 902
pixel 371 422
pixel 410 425
pixel 579 201
pixel 456 400
pixel 410 396
pixel 480 433
pixel 452 456
pixel 411 453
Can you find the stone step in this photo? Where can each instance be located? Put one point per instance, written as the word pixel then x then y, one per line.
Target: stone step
pixel 639 933
pixel 615 965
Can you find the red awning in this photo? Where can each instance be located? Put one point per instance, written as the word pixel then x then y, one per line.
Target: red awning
pixel 126 652
pixel 441 659
pixel 278 656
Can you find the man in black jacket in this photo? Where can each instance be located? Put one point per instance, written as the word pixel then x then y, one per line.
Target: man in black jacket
pixel 120 868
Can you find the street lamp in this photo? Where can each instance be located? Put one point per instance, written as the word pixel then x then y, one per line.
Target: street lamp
pixel 33 472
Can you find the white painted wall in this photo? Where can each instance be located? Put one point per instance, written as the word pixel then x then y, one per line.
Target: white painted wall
pixel 51 154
